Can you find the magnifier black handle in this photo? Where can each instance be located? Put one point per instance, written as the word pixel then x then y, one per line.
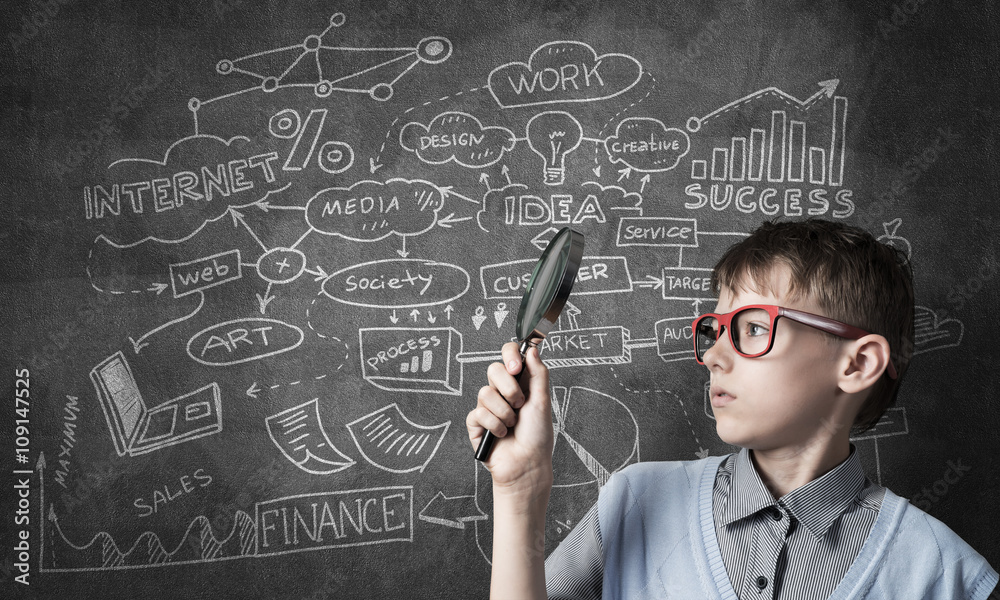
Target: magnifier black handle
pixel 487 441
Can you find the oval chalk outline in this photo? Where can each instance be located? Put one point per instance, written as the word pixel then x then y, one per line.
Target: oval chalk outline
pixel 431 263
pixel 301 333
pixel 282 249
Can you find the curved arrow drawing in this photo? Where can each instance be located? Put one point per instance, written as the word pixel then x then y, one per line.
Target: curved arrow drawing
pixel 138 344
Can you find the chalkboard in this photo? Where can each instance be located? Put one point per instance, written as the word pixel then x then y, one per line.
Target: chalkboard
pixel 257 257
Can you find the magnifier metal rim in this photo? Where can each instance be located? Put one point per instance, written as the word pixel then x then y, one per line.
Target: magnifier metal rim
pixel 555 304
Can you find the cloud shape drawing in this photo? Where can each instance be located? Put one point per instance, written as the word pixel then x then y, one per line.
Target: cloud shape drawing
pixel 369 211
pixel 647 145
pixel 563 71
pixel 170 200
pixel 458 137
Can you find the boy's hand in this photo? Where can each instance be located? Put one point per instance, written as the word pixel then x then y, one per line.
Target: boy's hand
pixel 521 460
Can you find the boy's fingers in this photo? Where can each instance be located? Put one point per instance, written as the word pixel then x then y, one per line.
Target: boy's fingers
pixel 539 375
pixel 536 368
pixel 504 383
pixel 498 405
pixel 480 417
pixel 511 357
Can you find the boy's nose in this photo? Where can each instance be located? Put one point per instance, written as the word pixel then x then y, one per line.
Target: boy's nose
pixel 720 354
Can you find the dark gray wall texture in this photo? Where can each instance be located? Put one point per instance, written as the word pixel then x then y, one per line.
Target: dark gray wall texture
pixel 257 256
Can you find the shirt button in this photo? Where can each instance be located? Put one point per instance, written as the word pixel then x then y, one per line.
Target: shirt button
pixel 775 513
pixel 761 582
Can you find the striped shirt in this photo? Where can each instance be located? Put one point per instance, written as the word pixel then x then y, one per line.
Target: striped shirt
pixel 798 547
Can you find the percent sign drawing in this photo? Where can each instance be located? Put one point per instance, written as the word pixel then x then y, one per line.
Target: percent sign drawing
pixel 334 157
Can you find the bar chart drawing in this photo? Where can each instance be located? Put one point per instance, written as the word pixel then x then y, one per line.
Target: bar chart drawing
pixel 784 152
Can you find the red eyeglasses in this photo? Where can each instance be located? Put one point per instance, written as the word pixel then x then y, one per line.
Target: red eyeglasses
pixel 751 330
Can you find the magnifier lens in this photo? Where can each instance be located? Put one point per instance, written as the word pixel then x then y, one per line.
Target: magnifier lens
pixel 543 285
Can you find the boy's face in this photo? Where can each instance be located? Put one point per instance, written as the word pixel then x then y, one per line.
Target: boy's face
pixel 786 398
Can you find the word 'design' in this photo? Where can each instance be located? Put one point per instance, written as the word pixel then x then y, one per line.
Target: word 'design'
pixel 458 137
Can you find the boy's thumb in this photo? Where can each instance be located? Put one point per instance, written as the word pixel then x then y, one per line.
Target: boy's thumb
pixel 538 374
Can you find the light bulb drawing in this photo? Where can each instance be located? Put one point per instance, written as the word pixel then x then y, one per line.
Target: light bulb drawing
pixel 553 135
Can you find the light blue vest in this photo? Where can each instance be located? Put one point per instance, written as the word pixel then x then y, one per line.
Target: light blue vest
pixel 659 542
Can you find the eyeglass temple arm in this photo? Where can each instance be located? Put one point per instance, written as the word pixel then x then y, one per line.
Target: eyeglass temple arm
pixel 837 328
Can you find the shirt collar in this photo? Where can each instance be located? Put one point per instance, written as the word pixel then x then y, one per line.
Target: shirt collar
pixel 816 504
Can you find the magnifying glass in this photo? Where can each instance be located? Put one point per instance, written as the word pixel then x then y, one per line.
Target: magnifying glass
pixel 543 300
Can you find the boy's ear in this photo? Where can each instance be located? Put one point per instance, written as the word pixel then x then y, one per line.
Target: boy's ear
pixel 867 359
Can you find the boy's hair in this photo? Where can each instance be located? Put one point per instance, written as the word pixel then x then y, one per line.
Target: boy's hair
pixel 854 278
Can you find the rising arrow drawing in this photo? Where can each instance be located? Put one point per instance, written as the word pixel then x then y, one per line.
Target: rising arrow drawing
pixel 827 88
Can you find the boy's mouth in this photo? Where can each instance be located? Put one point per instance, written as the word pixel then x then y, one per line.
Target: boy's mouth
pixel 720 397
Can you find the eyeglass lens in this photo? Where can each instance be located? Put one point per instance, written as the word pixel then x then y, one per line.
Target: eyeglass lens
pixel 749 330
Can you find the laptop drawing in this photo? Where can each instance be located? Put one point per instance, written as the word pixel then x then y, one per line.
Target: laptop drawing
pixel 137 429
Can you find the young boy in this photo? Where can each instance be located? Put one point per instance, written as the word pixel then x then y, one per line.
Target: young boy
pixel 810 339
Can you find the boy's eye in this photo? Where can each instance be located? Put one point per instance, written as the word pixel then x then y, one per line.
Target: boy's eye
pixel 752 329
pixel 753 323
